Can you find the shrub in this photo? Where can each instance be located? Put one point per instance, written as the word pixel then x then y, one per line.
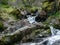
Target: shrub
pixel 4 1
pixel 1 27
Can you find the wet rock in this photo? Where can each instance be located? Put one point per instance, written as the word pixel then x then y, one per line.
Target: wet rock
pixel 42 16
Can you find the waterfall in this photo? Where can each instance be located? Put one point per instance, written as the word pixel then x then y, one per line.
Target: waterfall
pixel 55 38
pixel 52 30
pixel 31 19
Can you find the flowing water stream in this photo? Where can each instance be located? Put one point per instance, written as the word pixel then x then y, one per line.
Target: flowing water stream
pixel 55 38
pixel 31 19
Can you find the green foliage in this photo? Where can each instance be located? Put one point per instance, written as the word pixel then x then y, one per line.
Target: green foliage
pixel 16 14
pixel 4 1
pixel 28 3
pixel 57 14
pixel 56 26
pixel 1 26
pixel 47 6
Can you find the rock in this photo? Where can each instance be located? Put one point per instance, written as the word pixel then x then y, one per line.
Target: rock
pixel 55 21
pixel 42 16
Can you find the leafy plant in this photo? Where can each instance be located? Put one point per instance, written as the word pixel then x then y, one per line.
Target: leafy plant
pixel 1 26
pixel 28 3
pixel 4 1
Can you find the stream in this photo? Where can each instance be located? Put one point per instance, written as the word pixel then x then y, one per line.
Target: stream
pixel 54 39
pixel 31 27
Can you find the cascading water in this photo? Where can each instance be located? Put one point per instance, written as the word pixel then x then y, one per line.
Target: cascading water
pixel 55 38
pixel 55 32
pixel 31 19
pixel 52 30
